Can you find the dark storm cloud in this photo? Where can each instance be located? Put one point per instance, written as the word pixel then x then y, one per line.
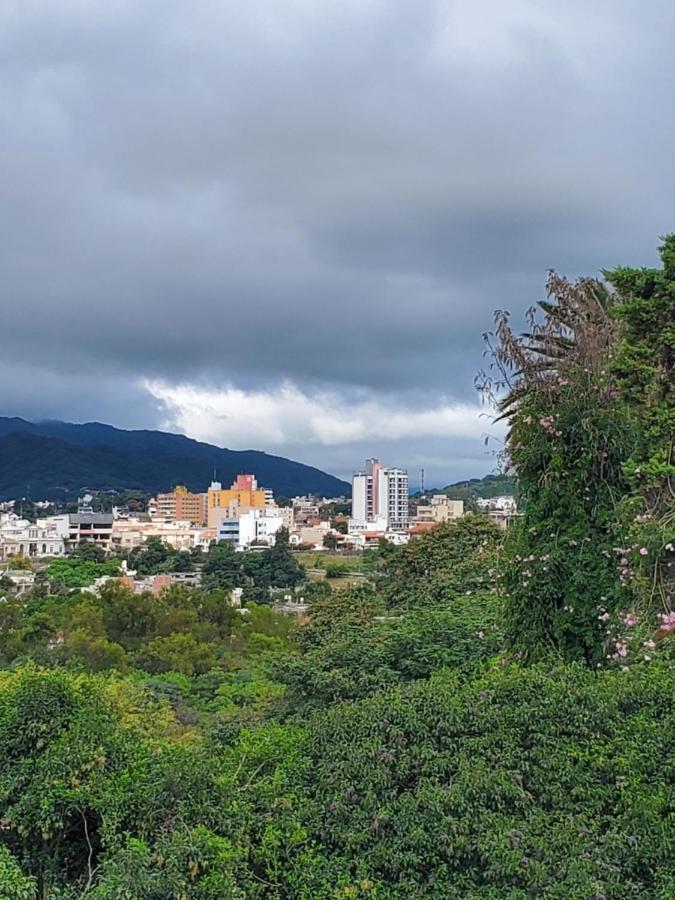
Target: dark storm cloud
pixel 334 193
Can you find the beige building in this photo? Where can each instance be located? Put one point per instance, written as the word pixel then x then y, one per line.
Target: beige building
pixel 130 534
pixel 439 509
pixel 310 534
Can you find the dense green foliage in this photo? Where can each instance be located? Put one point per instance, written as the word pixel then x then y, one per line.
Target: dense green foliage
pixel 181 630
pixel 644 368
pixel 352 648
pixel 75 572
pixel 259 573
pixel 155 557
pixel 589 398
pixel 561 571
pixel 518 784
pixel 514 784
pixel 456 558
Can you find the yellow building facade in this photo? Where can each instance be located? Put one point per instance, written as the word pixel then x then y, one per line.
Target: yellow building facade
pixel 244 494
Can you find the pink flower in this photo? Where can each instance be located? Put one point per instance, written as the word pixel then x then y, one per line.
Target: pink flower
pixel 644 551
pixel 630 620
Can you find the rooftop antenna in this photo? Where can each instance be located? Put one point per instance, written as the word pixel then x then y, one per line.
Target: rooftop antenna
pixel 422 482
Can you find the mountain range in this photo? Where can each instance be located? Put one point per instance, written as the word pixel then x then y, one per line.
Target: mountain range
pixel 53 460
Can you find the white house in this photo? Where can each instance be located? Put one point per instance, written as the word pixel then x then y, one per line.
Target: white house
pixel 19 537
pixel 257 526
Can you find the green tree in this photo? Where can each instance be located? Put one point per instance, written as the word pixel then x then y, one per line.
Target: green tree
pixel 89 551
pixel 352 656
pixel 74 572
pixel 222 569
pixel 14 885
pixel 95 653
pixel 451 559
pixel 569 432
pixel 644 367
pixel 177 653
pixel 63 761
pixel 151 557
pixel 523 783
pixel 129 618
pixel 284 569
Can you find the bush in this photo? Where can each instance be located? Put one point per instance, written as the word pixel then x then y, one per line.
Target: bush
pixel 74 572
pixel 355 655
pixel 524 783
pixel 448 560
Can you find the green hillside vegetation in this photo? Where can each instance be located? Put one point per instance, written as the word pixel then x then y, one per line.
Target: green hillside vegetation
pixel 58 460
pixel 490 486
pixel 488 715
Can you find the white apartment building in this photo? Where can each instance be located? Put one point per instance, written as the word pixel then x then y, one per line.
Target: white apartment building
pixel 506 503
pixel 257 526
pixel 502 510
pixel 379 499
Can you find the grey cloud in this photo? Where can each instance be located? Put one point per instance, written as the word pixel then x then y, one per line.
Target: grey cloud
pixel 443 461
pixel 335 193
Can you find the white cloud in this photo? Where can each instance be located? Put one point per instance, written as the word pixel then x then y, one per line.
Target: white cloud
pixel 286 416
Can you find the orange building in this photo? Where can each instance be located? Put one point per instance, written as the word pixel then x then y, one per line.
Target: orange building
pixel 244 494
pixel 182 506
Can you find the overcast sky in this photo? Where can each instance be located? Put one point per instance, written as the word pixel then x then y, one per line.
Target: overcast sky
pixel 284 224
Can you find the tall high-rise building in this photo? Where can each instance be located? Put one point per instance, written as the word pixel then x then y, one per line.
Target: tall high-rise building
pixel 243 495
pixel 380 498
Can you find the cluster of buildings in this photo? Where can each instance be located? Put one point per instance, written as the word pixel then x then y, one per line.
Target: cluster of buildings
pixel 381 507
pixel 243 513
pixel 247 516
pixel 52 535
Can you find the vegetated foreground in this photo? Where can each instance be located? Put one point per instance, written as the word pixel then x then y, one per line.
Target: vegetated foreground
pixel 484 716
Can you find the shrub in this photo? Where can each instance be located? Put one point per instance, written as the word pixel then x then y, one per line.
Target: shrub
pixel 524 783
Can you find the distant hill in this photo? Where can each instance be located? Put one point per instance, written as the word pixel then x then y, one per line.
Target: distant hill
pixel 59 459
pixel 489 486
